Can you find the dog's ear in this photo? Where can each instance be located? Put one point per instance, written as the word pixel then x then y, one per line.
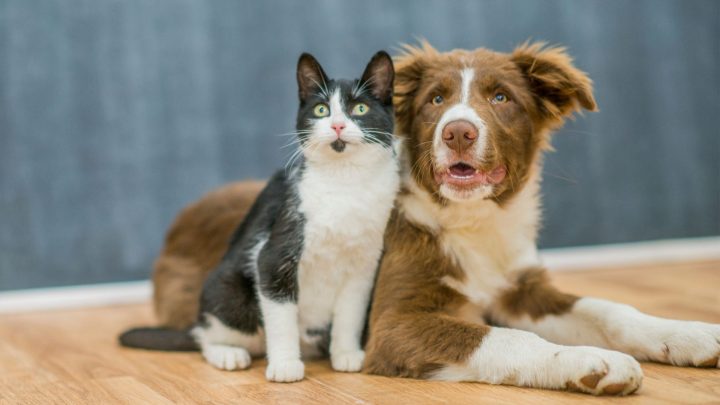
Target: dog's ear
pixel 559 88
pixel 409 68
pixel 310 76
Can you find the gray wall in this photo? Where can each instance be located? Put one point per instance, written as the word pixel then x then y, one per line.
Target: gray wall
pixel 114 114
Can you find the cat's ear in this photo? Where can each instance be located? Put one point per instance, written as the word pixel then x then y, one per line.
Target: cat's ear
pixel 379 76
pixel 311 77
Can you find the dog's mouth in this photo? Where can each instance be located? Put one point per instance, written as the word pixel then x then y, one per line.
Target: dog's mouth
pixel 466 175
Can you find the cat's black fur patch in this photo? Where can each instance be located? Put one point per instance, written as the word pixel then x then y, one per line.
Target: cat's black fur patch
pixel 229 292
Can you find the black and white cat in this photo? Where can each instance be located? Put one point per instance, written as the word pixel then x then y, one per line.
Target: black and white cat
pixel 299 271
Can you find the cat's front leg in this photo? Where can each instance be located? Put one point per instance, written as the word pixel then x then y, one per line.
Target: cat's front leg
pixel 349 315
pixel 283 340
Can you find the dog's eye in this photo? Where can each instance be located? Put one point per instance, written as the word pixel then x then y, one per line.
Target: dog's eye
pixel 499 98
pixel 321 110
pixel 437 100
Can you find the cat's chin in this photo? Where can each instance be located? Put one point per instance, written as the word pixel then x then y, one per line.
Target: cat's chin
pixel 338 145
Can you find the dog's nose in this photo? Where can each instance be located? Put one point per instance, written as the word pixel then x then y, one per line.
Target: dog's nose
pixel 459 135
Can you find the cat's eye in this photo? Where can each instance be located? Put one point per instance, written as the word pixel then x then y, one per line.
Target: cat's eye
pixel 437 100
pixel 499 98
pixel 321 110
pixel 360 109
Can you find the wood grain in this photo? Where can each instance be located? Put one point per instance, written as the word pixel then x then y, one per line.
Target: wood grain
pixel 71 357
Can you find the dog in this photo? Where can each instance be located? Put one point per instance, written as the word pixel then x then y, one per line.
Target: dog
pixel 461 293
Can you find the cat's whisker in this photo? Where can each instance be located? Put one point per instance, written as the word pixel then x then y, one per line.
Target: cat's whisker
pixel 375 141
pixel 293 143
pixel 298 132
pixel 323 88
pixel 296 155
pixel 293 158
pixel 378 132
pixel 359 91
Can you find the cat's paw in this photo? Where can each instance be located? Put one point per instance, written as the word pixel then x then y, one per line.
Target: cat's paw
pixel 349 361
pixel 598 371
pixel 689 344
pixel 285 370
pixel 226 357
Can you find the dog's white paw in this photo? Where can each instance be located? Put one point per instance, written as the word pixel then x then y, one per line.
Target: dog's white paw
pixel 285 370
pixel 646 337
pixel 597 371
pixel 226 357
pixel 515 357
pixel 350 361
pixel 685 343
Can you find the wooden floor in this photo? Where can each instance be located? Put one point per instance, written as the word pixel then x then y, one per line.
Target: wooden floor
pixel 72 357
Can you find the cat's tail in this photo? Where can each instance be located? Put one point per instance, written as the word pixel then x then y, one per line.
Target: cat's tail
pixel 149 338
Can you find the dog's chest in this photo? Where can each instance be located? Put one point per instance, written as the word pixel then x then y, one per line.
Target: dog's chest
pixel 483 259
pixel 488 243
pixel 488 256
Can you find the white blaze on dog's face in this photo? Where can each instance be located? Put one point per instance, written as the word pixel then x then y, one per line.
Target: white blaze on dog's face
pixel 459 143
pixel 476 120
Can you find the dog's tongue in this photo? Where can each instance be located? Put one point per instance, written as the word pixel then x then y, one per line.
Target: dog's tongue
pixel 461 174
pixel 462 170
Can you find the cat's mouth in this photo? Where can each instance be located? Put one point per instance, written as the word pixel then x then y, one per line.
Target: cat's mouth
pixel 338 145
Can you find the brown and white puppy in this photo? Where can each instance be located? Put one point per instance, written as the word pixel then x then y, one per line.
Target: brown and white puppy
pixel 461 247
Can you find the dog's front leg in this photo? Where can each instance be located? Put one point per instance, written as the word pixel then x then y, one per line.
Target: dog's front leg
pixel 440 347
pixel 534 305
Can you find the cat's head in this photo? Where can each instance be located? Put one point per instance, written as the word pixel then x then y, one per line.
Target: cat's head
pixel 340 118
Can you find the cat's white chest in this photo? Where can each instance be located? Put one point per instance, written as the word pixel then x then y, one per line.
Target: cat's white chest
pixel 345 212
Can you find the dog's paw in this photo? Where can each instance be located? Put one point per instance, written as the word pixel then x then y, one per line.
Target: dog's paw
pixel 227 357
pixel 350 361
pixel 285 370
pixel 598 371
pixel 685 343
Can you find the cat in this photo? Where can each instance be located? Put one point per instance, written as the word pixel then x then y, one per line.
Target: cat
pixel 299 271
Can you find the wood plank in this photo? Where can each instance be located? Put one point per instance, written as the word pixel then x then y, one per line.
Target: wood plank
pixel 72 357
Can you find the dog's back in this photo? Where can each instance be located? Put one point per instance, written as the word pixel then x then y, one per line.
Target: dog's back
pixel 194 245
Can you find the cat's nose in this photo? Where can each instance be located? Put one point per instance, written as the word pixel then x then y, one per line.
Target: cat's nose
pixel 338 127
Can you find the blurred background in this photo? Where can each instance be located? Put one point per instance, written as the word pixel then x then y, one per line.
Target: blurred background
pixel 116 114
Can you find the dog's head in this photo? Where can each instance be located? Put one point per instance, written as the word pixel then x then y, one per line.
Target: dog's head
pixel 477 120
